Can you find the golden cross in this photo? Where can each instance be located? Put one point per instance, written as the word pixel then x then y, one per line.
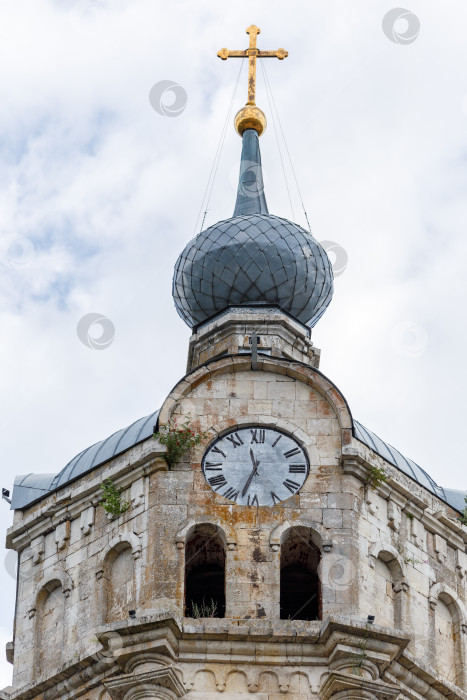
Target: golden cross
pixel 253 53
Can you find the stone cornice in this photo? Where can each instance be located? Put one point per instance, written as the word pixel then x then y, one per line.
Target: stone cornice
pixel 411 496
pixel 72 499
pixel 344 684
pixel 357 654
pixel 417 681
pixel 162 678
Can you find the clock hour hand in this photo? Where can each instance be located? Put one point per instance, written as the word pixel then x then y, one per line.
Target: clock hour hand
pixel 253 472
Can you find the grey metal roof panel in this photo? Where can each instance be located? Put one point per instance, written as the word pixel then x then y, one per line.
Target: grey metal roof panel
pixel 408 466
pixel 252 258
pixel 456 498
pixel 104 450
pixel 30 488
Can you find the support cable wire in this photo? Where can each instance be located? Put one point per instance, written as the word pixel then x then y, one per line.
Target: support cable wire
pixel 268 87
pixel 212 175
pixel 269 95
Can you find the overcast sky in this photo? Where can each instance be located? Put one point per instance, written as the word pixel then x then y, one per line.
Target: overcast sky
pixel 99 193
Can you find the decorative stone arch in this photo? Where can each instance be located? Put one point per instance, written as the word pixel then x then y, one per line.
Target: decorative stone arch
pixel 448 596
pixel 389 555
pixel 299 682
pixel 268 682
pixel 124 540
pixel 120 542
pixel 278 535
pixel 302 373
pixel 235 681
pixel 393 560
pixel 53 579
pixel 44 643
pixel 225 530
pixel 440 591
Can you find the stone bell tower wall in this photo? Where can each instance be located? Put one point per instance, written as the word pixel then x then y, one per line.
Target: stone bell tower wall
pixel 387 548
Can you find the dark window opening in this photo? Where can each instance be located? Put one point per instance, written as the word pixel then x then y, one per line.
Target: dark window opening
pixel 300 591
pixel 205 573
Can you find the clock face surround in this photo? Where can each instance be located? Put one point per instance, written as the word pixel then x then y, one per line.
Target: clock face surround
pixel 256 466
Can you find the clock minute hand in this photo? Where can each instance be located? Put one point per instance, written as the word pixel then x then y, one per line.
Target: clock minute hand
pixel 253 472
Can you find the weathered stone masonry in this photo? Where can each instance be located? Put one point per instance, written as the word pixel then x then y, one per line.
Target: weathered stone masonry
pixel 396 552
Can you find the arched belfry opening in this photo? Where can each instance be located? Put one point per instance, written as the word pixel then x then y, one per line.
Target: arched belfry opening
pixel 300 592
pixel 205 573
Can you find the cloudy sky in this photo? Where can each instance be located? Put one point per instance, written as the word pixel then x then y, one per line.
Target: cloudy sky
pixel 99 192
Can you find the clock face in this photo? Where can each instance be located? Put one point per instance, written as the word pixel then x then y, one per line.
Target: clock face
pixel 255 466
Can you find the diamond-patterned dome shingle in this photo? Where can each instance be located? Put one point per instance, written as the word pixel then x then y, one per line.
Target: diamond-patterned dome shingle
pixel 249 260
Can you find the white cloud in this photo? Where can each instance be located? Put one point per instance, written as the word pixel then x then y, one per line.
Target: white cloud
pixel 108 192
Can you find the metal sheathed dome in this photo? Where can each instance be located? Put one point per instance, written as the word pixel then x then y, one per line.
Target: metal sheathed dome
pixel 253 258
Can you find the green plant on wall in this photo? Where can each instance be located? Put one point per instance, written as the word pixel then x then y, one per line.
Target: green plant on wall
pixel 408 559
pixel 363 655
pixel 463 517
pixel 376 477
pixel 204 609
pixel 112 501
pixel 179 439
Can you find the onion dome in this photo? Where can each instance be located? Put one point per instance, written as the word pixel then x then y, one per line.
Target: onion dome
pixel 252 259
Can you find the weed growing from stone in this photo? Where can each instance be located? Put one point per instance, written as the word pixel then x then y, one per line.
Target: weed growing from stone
pixel 463 517
pixel 376 477
pixel 112 499
pixel 178 440
pixel 204 610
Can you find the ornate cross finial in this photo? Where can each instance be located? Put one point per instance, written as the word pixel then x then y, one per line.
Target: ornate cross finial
pixel 251 117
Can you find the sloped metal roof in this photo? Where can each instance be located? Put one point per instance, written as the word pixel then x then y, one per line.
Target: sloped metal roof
pixel 397 459
pixel 32 487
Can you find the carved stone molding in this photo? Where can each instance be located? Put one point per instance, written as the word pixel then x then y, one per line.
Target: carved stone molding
pixel 38 549
pixel 62 534
pixel 401 586
pixel 160 683
pixel 121 540
pixel 342 685
pixel 87 518
pixel 228 534
pixel 394 515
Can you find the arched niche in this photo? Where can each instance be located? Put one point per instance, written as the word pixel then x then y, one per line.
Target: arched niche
pixel 391 590
pixel 50 626
pixel 205 555
pixel 300 589
pixel 448 619
pixel 383 595
pixel 116 578
pixel 445 644
pixel 120 585
pixel 225 531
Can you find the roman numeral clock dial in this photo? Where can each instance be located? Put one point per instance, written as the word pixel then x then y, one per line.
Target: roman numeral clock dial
pixel 256 466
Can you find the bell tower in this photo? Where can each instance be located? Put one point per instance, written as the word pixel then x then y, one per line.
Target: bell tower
pixel 287 552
